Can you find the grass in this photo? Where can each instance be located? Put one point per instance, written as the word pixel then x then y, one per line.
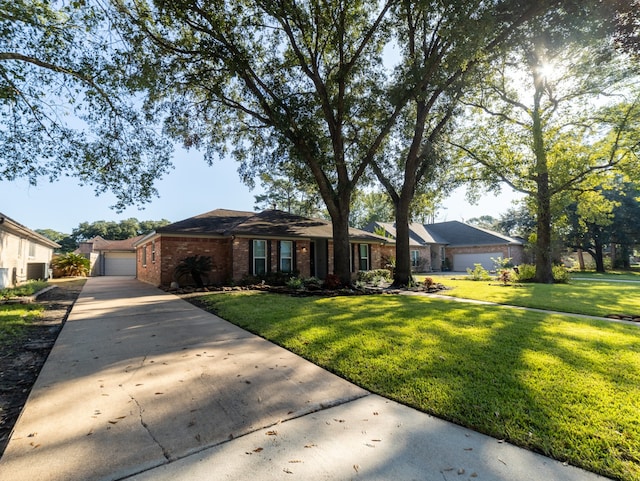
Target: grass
pixel 594 297
pixel 633 275
pixel 14 319
pixel 562 386
pixel 24 290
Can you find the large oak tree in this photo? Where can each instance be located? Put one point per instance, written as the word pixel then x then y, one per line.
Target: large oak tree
pixel 274 82
pixel 551 118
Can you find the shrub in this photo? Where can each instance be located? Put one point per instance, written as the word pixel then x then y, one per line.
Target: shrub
pixel 505 276
pixel 312 284
pixel 560 274
pixel 526 273
pixel 249 280
pixel 501 263
pixel 374 276
pixel 295 283
pixel 428 282
pixel 195 266
pixel 478 273
pixel 72 264
pixel 332 282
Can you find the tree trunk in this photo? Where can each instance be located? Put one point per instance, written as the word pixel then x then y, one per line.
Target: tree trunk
pixel 599 255
pixel 341 245
pixel 614 255
pixel 402 276
pixel 581 259
pixel 544 272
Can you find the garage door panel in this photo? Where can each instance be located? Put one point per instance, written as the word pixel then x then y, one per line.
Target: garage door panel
pixel 463 261
pixel 120 264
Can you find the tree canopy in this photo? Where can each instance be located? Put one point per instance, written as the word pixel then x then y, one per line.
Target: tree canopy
pixel 552 116
pixel 111 230
pixel 301 83
pixel 67 105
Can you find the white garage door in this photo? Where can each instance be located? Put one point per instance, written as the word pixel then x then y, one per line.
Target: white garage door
pixel 120 264
pixel 463 261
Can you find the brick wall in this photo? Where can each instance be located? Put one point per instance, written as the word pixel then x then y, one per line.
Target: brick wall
pixel 171 250
pixel 231 258
pixel 148 270
pixel 242 262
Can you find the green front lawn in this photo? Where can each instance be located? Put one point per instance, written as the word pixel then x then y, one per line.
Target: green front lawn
pixel 633 275
pixel 594 298
pixel 562 386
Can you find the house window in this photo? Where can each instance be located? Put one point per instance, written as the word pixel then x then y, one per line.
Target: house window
pixel 153 251
pixel 364 257
pixel 286 256
pixel 32 250
pixel 259 257
pixel 415 258
pixel 20 247
pixel 144 256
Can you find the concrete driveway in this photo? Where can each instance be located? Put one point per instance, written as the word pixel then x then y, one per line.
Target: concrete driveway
pixel 143 385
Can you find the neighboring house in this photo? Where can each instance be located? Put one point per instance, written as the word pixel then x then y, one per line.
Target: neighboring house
pixel 455 246
pixel 24 254
pixel 243 244
pixel 110 257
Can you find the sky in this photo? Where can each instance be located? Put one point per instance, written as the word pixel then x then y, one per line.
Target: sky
pixel 192 188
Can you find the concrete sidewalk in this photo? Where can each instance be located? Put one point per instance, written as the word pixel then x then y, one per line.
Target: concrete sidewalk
pixel 142 385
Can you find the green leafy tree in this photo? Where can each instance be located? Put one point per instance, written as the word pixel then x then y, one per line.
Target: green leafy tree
pixel 547 131
pixel 111 230
pixel 286 194
pixel 605 217
pixel 443 43
pixel 67 102
pixel 280 82
pixel 625 228
pixel 517 222
pixel 370 206
pixel 67 243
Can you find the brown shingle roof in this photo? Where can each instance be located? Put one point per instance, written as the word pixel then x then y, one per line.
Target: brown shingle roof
pixel 101 244
pixel 269 223
pixel 215 222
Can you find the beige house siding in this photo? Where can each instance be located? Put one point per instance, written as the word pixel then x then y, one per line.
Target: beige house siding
pixel 21 255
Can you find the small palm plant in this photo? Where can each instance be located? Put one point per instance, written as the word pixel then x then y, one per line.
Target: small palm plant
pixel 72 264
pixel 195 266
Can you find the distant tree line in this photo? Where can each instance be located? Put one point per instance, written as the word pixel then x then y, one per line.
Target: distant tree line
pixel 109 230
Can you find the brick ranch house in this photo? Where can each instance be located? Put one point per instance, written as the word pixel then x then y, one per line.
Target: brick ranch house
pixel 243 244
pixel 454 246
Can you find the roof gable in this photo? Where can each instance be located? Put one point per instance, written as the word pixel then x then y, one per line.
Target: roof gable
pixel 215 222
pixel 460 234
pixel 452 233
pixel 101 244
pixel 17 228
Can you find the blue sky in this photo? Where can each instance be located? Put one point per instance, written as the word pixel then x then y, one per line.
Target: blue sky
pixel 191 188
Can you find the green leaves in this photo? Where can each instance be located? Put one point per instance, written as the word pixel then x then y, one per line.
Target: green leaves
pixel 66 107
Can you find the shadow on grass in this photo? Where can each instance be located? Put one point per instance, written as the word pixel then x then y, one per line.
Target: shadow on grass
pixel 558 386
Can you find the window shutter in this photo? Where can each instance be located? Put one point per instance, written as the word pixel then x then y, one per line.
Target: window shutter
pixel 294 258
pixel 250 256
